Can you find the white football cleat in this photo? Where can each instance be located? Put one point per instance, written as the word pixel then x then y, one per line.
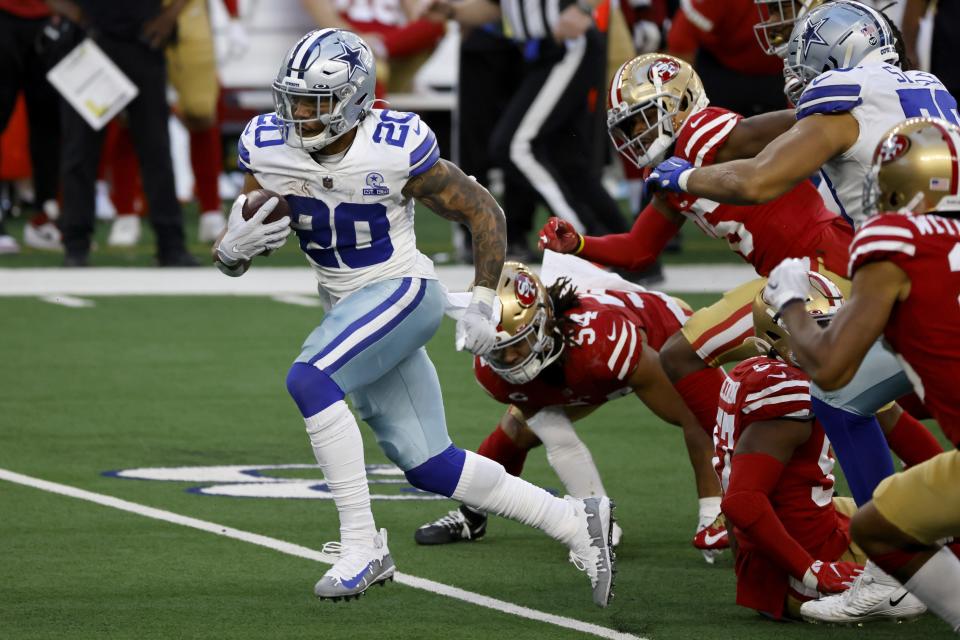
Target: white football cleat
pixel 45 236
pixel 358 568
pixel 591 549
pixel 212 224
pixel 8 246
pixel 873 596
pixel 125 231
pixel 104 205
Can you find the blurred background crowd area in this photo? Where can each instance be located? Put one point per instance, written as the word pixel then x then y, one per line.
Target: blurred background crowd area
pixel 75 196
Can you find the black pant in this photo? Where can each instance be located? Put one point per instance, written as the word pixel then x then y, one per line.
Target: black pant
pixel 491 68
pixel 147 116
pixel 546 139
pixel 23 68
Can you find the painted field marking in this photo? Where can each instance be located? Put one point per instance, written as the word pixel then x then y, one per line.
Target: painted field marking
pixel 311 554
pixel 299 300
pixel 68 301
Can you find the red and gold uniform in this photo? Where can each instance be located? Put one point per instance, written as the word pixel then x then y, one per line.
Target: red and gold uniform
pixel 924 331
pixel 796 224
pixel 612 327
pixel 791 518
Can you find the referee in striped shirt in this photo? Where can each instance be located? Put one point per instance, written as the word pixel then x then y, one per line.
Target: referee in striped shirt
pixel 546 138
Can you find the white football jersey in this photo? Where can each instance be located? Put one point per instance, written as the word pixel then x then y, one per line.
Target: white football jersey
pixel 879 96
pixel 352 221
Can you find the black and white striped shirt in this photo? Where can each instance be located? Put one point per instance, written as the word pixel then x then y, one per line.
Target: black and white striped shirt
pixel 531 19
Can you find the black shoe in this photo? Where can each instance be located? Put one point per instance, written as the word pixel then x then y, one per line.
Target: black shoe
pixel 183 259
pixel 72 260
pixel 460 525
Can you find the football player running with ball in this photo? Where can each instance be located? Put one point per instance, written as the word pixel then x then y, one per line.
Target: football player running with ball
pixel 773 458
pixel 560 354
pixel 906 288
pixel 350 174
pixel 849 76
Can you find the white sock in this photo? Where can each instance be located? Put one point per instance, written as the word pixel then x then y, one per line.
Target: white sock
pixel 338 448
pixel 937 584
pixel 567 454
pixel 486 485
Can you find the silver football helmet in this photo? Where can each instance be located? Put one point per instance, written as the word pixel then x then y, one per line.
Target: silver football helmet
pixel 836 35
pixel 325 86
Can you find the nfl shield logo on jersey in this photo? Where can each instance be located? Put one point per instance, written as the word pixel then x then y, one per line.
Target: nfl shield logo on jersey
pixel 375 185
pixel 327 182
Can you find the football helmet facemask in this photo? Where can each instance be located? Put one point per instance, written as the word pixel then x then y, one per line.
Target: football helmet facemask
pixel 525 343
pixel 650 99
pixel 836 35
pixel 325 86
pixel 915 169
pixel 822 303
pixel 777 18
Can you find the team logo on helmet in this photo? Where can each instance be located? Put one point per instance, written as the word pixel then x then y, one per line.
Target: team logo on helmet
pixel 664 69
pixel 894 147
pixel 353 58
pixel 811 35
pixel 526 290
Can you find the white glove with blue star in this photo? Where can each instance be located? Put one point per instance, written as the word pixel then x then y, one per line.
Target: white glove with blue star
pixel 788 281
pixel 476 330
pixel 670 175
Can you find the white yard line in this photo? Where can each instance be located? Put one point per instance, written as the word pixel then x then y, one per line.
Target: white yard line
pixel 298 300
pixel 311 554
pixel 277 281
pixel 69 301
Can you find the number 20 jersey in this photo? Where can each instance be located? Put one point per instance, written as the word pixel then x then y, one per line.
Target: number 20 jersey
pixel 352 221
pixel 879 96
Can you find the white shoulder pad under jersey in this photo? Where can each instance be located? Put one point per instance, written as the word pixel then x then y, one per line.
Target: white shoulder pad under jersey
pixel 879 96
pixel 351 218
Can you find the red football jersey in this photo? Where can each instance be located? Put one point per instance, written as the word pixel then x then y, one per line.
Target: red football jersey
pixel 924 329
pixel 608 347
pixel 764 388
pixel 795 225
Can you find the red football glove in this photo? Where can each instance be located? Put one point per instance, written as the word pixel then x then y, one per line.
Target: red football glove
pixel 560 236
pixel 712 539
pixel 831 577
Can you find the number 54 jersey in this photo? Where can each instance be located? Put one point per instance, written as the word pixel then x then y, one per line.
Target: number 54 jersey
pixel 351 218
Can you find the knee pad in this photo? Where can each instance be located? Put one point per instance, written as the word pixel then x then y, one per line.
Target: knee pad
pixel 441 473
pixel 312 389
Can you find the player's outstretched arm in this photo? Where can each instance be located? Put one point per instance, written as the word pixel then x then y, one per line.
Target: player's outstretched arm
pixel 791 158
pixel 453 195
pixel 752 134
pixel 832 356
pixel 655 390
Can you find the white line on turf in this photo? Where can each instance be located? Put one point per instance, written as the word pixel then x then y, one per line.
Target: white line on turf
pixel 68 301
pixel 310 554
pixel 300 301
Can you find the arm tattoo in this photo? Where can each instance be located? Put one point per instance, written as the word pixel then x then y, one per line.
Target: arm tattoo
pixel 451 194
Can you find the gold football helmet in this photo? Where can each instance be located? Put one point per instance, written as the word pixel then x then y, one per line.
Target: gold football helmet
pixel 650 99
pixel 915 169
pixel 525 341
pixel 777 18
pixel 823 301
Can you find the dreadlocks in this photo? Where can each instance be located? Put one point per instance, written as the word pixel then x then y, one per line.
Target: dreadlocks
pixel 899 45
pixel 563 297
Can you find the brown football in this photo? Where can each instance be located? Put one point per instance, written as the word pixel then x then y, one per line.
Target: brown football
pixel 255 200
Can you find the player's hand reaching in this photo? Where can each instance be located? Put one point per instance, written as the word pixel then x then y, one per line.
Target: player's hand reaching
pixel 670 175
pixel 788 281
pixel 560 236
pixel 475 329
pixel 831 577
pixel 245 239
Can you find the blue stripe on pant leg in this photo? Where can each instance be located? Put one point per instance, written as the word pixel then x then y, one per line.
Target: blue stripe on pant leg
pixel 365 319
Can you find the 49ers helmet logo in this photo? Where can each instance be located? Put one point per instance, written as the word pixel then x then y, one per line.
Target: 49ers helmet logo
pixel 894 147
pixel 526 290
pixel 663 69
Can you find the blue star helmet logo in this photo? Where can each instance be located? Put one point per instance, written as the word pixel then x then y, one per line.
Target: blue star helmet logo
pixel 811 35
pixel 353 58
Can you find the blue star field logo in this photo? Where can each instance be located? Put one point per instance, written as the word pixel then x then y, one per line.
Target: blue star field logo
pixel 353 58
pixel 811 35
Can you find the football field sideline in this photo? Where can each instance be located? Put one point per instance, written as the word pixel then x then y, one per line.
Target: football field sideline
pixel 288 281
pixel 299 551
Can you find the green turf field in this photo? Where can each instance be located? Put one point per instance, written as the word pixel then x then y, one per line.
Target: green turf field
pixel 175 381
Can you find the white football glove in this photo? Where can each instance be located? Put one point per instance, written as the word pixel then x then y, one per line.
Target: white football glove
pixel 245 239
pixel 788 281
pixel 235 43
pixel 476 331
